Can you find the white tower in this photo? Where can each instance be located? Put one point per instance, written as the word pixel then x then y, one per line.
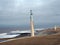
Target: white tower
pixel 55 28
pixel 31 24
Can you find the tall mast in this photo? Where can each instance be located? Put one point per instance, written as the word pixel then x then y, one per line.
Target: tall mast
pixel 31 23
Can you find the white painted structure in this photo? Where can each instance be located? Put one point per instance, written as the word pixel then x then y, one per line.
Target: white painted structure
pixel 31 23
pixel 55 28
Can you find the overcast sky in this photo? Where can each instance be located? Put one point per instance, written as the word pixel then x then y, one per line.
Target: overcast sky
pixel 16 12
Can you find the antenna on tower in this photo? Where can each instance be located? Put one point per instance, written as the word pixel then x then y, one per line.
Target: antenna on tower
pixel 31 23
pixel 30 12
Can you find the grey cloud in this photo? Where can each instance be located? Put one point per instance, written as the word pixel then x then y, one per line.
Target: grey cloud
pixel 18 11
